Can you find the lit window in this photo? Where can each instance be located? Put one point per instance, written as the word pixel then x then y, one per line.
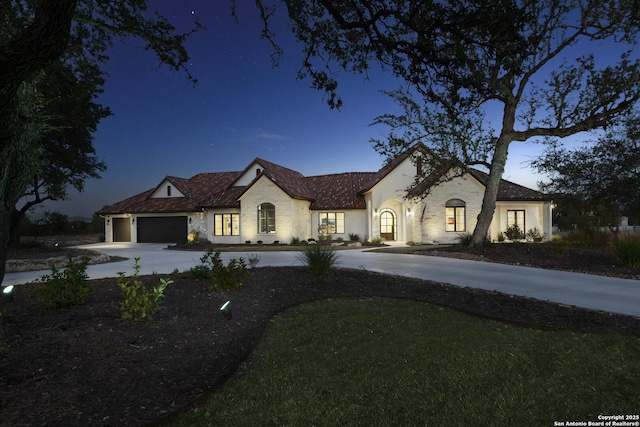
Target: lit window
pixel 455 215
pixel 226 225
pixel 331 223
pixel 515 217
pixel 266 218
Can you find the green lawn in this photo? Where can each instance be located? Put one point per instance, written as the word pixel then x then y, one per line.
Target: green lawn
pixel 379 362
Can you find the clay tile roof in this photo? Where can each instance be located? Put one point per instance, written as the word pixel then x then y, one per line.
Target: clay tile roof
pixel 202 190
pixel 510 190
pixel 290 181
pixel 339 191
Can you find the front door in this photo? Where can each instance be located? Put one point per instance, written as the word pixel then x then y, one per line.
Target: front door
pixel 388 225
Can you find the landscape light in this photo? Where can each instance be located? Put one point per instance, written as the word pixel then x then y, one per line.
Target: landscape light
pixel 225 309
pixel 7 293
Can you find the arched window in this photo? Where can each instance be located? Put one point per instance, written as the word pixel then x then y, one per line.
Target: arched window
pixel 266 218
pixel 455 215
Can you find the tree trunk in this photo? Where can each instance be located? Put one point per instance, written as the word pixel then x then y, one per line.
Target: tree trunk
pixel 14 228
pixel 491 191
pixel 43 41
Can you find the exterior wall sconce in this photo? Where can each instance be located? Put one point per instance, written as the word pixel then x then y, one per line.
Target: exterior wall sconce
pixel 190 219
pixel 108 221
pixel 133 221
pixel 375 212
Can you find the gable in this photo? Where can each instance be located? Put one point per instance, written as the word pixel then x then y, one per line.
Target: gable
pixel 395 178
pixel 249 174
pixel 166 189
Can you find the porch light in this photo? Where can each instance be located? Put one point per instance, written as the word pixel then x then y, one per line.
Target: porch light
pixel 375 212
pixel 190 219
pixel 225 309
pixel 7 293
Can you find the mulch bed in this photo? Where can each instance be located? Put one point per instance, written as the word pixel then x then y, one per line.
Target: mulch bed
pixel 85 366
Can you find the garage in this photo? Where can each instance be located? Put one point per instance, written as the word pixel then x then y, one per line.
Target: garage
pixel 163 229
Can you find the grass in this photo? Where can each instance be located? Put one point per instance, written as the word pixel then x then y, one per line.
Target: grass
pixel 627 247
pixel 381 362
pixel 318 259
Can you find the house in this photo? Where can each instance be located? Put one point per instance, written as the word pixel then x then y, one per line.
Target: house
pixel 268 202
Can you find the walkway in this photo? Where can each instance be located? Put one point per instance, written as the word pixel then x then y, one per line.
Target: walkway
pixel 584 290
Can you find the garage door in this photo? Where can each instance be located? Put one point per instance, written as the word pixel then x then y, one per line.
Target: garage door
pixel 167 229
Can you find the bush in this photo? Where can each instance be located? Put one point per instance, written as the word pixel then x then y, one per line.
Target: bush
pixel 514 232
pixel 68 287
pixel 501 237
pixel 534 235
pixel 464 239
pixel 138 302
pixel 230 276
pixel 588 238
pixel 376 241
pixel 295 240
pixel 627 247
pixel 319 259
pixel 354 237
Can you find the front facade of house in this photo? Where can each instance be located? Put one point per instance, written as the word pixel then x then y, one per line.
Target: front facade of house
pixel 267 203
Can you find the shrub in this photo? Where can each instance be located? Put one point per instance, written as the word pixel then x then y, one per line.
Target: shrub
pixel 319 259
pixel 501 237
pixel 325 237
pixel 139 302
pixel 464 239
pixel 627 247
pixel 68 287
pixel 588 238
pixel 534 235
pixel 295 240
pixel 376 241
pixel 354 237
pixel 230 276
pixel 514 232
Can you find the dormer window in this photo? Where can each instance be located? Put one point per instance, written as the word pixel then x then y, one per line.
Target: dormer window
pixel 168 191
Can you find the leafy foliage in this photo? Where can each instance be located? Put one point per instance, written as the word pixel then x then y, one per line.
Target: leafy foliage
pixel 51 54
pixel 598 182
pixel 139 302
pixel 513 232
pixel 68 287
pixel 230 276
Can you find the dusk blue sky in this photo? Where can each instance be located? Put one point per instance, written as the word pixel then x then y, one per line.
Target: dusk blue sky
pixel 241 108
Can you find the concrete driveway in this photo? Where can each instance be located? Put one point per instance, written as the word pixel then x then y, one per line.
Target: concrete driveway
pixel 584 290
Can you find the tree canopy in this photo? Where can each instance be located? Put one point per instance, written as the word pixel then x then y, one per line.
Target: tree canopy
pixel 597 183
pixel 55 48
pixel 537 66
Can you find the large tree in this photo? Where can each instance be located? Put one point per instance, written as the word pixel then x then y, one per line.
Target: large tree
pixel 598 182
pixel 539 67
pixel 69 117
pixel 34 35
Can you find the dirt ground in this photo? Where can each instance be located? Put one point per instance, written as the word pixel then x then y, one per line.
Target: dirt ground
pixel 85 366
